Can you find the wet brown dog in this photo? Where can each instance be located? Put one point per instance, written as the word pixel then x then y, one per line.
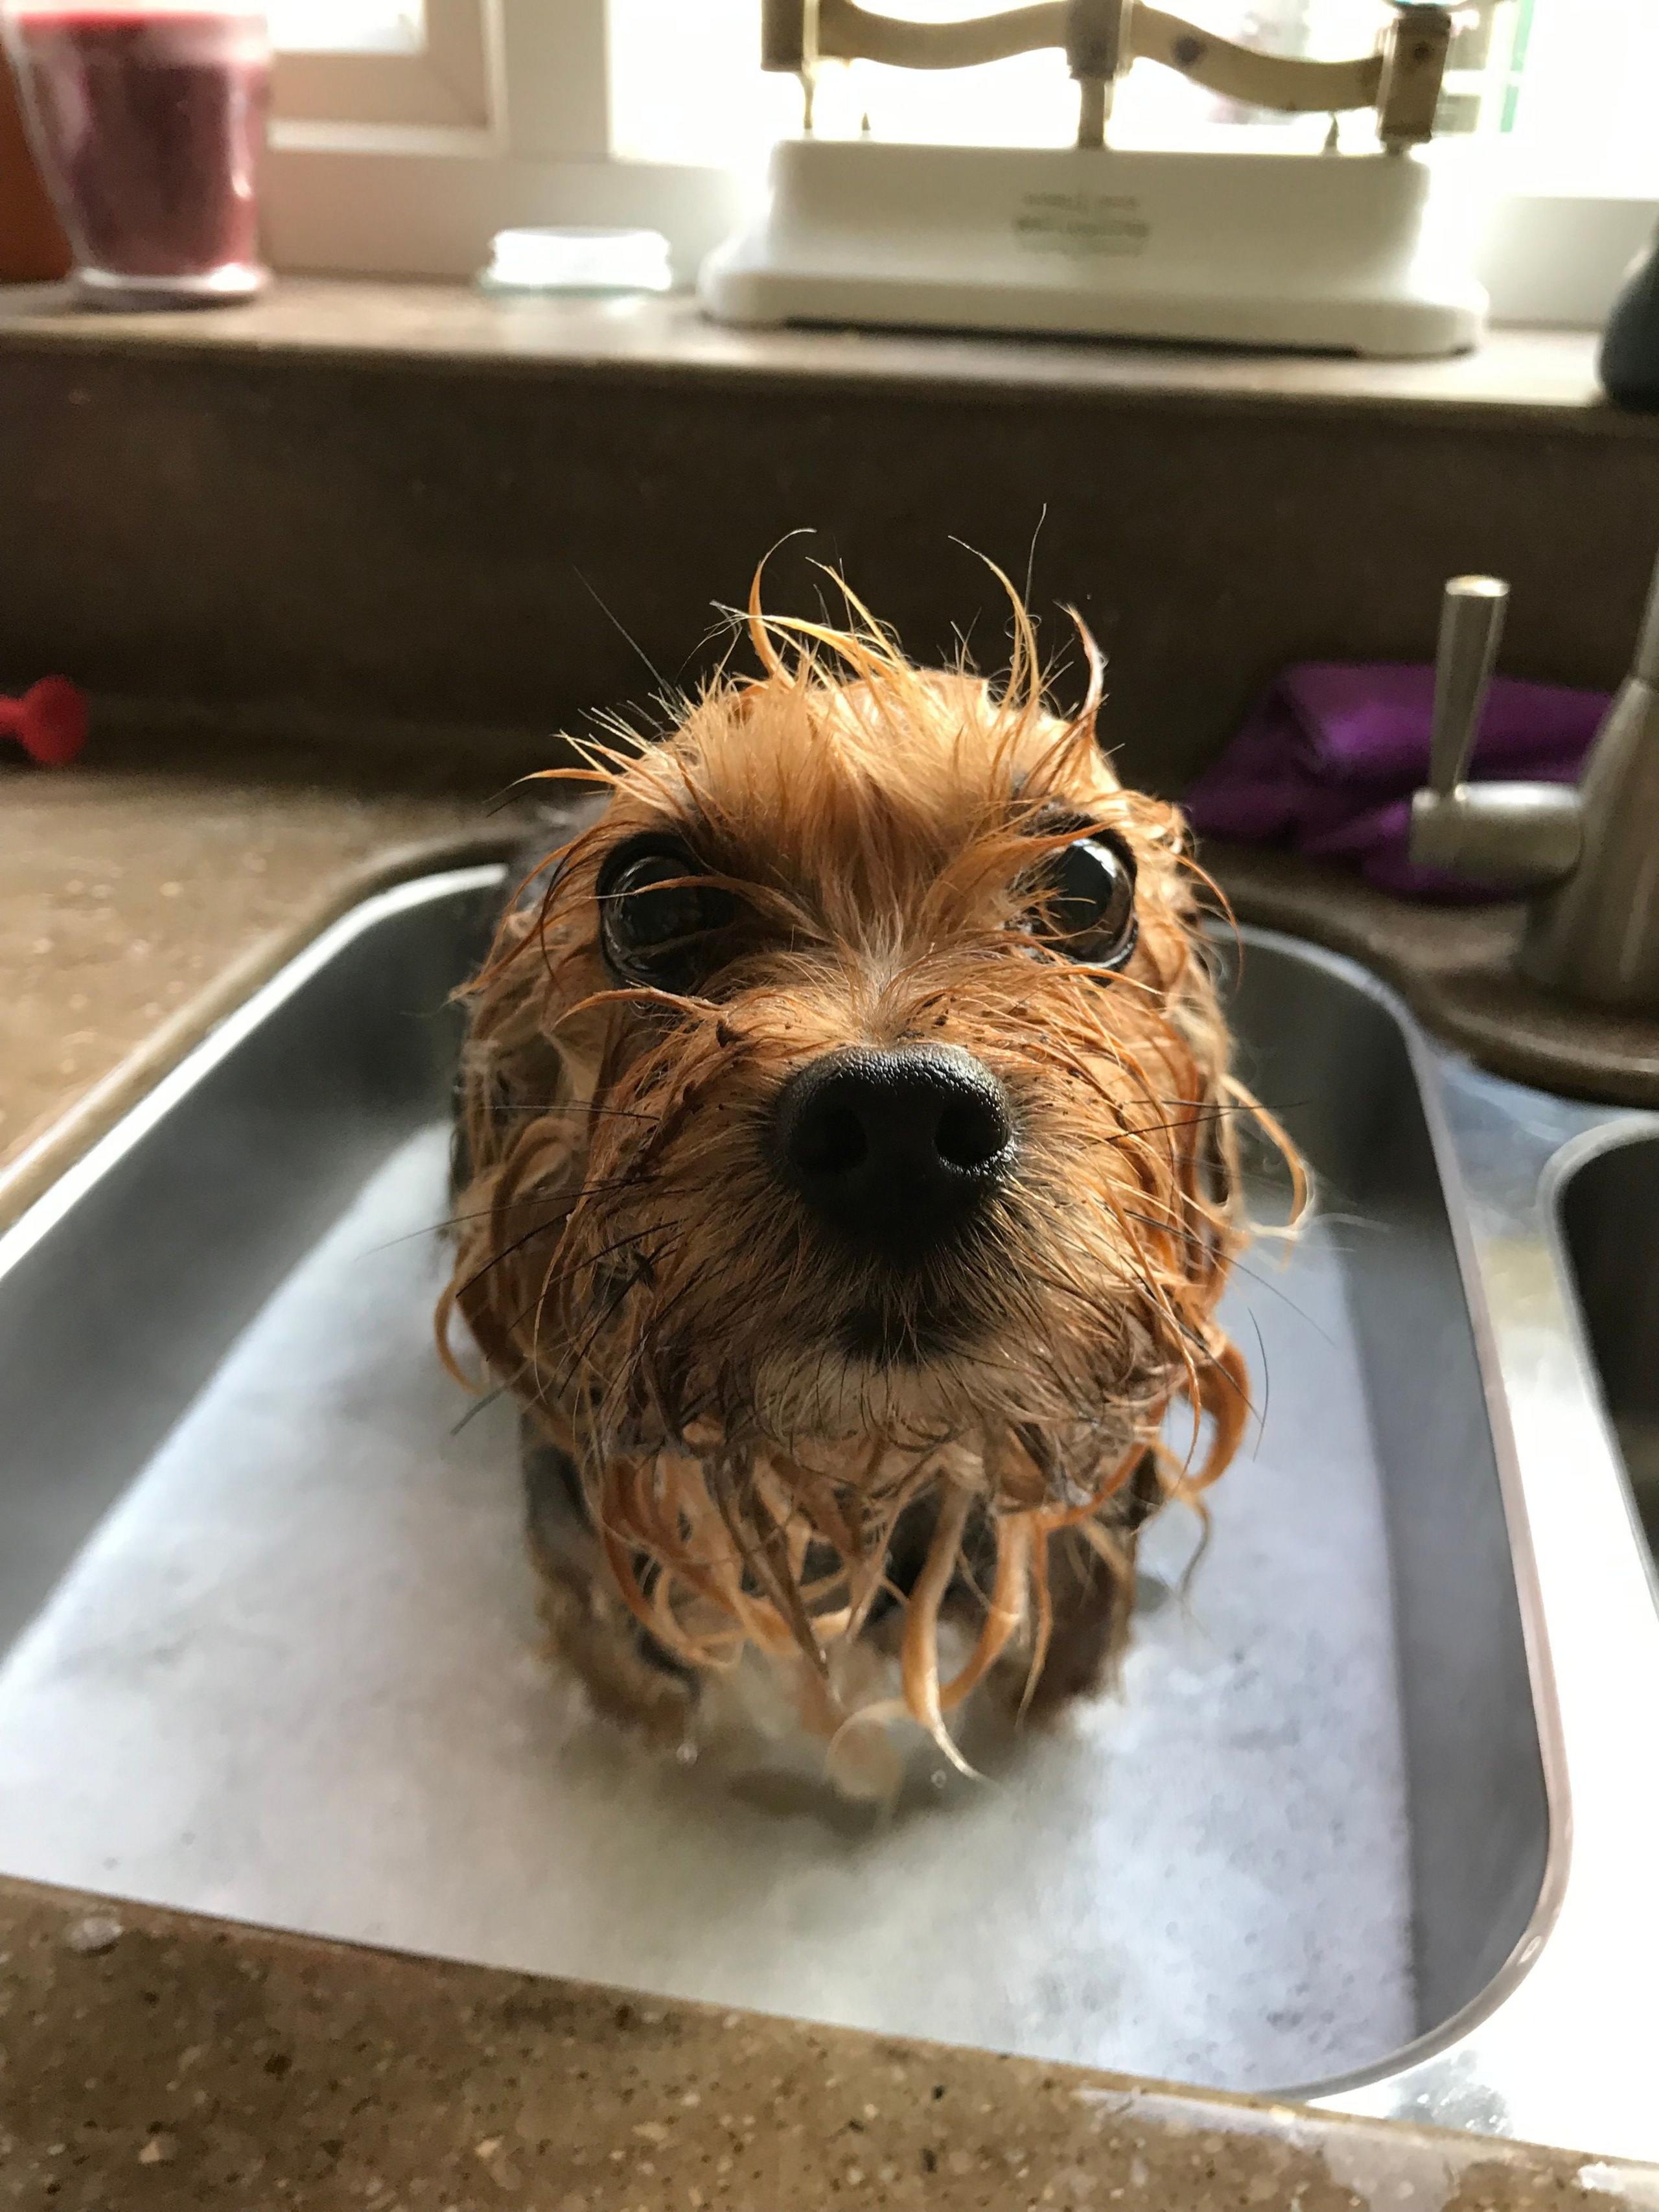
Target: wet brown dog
pixel 848 1184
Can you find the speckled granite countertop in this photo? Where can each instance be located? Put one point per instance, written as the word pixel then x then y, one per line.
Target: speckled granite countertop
pixel 139 902
pixel 1455 966
pixel 163 2061
pixel 151 2059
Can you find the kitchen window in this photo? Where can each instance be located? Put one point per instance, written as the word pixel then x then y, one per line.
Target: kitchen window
pixel 382 64
pixel 409 130
pixel 407 133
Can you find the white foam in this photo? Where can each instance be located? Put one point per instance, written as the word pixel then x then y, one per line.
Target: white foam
pixel 294 1679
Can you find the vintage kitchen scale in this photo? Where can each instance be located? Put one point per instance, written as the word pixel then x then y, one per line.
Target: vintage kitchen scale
pixel 1364 253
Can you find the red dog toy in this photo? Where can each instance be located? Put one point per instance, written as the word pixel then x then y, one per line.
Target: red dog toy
pixel 49 721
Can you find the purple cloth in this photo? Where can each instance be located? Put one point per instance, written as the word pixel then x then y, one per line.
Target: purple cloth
pixel 1326 763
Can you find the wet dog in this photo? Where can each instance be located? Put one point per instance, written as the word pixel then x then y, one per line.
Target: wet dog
pixel 848 1179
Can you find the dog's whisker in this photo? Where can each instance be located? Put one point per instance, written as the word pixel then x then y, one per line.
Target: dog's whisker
pixel 548 1202
pixel 497 1259
pixel 1255 1275
pixel 480 1405
pixel 539 1112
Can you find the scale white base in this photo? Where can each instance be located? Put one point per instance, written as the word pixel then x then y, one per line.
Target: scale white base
pixel 1345 252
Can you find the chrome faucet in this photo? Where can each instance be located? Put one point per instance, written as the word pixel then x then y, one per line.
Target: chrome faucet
pixel 1589 855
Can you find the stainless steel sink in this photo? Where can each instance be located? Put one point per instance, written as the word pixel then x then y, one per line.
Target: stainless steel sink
pixel 1371 1823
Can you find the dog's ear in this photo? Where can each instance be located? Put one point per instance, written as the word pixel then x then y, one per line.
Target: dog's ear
pixel 509 1061
pixel 551 825
pixel 1211 1176
pixel 513 1082
pixel 1216 1150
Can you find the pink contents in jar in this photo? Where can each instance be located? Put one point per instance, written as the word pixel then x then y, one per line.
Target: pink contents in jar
pixel 149 121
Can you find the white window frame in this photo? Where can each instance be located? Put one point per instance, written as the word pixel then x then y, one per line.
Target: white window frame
pixel 406 164
pixel 1558 258
pixel 449 81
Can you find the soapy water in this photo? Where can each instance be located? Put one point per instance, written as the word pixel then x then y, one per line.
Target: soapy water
pixel 295 1678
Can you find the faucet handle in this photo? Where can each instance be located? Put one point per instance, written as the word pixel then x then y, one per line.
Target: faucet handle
pixel 1518 834
pixel 1471 625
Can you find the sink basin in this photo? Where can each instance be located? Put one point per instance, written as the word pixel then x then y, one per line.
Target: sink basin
pixel 268 1644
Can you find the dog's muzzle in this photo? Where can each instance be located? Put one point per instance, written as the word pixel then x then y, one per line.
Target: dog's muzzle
pixel 894 1151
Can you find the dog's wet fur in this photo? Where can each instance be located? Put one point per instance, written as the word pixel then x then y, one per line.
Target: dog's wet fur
pixel 846 1184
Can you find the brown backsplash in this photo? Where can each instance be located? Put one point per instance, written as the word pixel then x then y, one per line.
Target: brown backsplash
pixel 383 540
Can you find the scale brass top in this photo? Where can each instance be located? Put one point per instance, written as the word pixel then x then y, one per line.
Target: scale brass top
pixel 1101 38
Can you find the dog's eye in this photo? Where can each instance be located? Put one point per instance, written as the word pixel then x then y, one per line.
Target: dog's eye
pixel 659 923
pixel 1089 901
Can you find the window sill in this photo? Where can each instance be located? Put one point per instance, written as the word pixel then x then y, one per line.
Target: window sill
pixel 1546 375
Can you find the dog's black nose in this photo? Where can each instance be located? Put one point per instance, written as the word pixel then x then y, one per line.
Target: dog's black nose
pixel 895 1150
